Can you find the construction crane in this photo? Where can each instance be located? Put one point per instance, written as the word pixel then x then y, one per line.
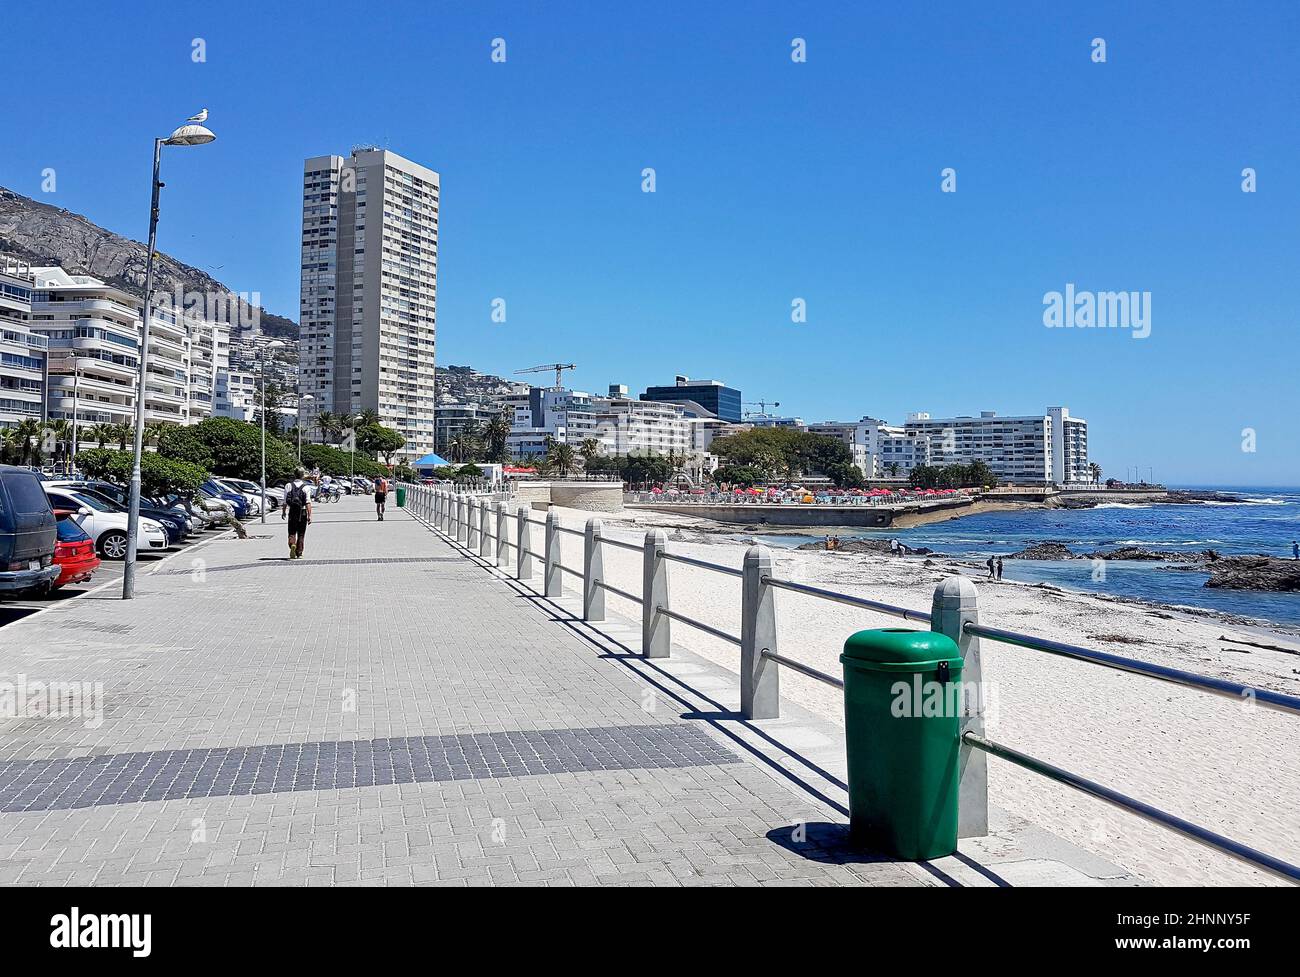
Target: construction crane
pixel 761 405
pixel 559 369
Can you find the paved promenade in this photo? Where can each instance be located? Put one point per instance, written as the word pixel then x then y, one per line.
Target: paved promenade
pixel 387 711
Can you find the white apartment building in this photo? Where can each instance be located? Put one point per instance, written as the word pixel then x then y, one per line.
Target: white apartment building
pixel 369 290
pixel 879 450
pixel 1017 449
pixel 22 353
pixel 93 334
pixel 622 425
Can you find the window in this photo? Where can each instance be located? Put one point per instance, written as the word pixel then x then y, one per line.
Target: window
pixel 26 494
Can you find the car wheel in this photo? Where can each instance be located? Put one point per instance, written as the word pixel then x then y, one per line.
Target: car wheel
pixel 112 545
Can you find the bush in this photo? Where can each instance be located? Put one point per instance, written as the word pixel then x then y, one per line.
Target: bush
pixel 468 471
pixel 158 475
pixel 335 461
pixel 226 446
pixel 742 475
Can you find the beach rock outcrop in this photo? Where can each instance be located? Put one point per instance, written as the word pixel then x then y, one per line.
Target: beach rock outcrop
pixel 1142 553
pixel 1048 550
pixel 1255 573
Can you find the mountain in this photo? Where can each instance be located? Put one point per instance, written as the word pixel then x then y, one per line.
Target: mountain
pixel 39 234
pixel 465 385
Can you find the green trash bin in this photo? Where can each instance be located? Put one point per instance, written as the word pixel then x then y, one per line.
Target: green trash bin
pixel 401 496
pixel 902 716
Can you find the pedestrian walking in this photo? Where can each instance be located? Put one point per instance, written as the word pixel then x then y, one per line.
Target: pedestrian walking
pixel 999 568
pixel 297 509
pixel 993 570
pixel 381 494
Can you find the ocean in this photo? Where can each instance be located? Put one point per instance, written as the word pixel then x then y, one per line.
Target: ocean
pixel 1266 521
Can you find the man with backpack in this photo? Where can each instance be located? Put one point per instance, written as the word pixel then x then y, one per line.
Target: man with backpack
pixel 297 507
pixel 381 493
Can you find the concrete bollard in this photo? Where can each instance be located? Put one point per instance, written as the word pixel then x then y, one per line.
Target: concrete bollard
pixel 503 539
pixel 656 628
pixel 484 529
pixel 593 572
pixel 523 538
pixel 552 579
pixel 760 677
pixel 462 519
pixel 471 531
pixel 955 603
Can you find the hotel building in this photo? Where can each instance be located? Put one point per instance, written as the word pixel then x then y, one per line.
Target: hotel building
pixel 93 334
pixel 369 290
pixel 22 353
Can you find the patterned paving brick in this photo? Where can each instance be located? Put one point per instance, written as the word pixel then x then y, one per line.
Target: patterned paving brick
pixel 128 778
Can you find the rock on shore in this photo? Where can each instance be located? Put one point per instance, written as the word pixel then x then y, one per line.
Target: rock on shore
pixel 1049 550
pixel 1255 573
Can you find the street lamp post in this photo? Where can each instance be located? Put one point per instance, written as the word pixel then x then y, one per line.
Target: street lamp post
pixel 304 397
pixel 190 134
pixel 261 359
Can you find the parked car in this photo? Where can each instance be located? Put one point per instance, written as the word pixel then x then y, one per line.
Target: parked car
pixel 274 497
pixel 106 525
pixel 174 524
pixel 74 552
pixel 236 499
pixel 28 532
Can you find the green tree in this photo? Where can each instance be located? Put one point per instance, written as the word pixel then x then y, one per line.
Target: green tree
pixel 563 457
pixel 374 438
pixel 496 433
pixel 159 475
pixel 741 475
pixel 226 446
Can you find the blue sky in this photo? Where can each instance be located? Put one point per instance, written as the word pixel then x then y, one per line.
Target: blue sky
pixel 775 181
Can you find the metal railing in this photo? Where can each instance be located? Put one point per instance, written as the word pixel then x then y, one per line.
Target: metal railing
pixel 954 612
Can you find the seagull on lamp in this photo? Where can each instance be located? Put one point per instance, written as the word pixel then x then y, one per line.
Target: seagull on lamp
pixel 202 116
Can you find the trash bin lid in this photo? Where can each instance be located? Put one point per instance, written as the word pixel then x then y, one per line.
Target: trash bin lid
pixel 901 649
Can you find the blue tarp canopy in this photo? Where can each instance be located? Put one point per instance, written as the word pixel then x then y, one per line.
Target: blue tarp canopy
pixel 431 461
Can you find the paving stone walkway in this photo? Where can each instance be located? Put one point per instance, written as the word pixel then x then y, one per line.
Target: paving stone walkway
pixel 380 712
pixel 385 711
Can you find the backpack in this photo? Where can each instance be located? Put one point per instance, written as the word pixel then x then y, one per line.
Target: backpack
pixel 296 496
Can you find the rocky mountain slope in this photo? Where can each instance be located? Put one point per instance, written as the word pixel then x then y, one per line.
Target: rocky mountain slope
pixel 39 234
pixel 465 385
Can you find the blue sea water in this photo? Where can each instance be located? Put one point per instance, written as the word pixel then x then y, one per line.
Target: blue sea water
pixel 1266 521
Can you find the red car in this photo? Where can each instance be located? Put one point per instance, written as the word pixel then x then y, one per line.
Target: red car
pixel 74 551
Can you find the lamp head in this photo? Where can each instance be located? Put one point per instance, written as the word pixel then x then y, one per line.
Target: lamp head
pixel 190 134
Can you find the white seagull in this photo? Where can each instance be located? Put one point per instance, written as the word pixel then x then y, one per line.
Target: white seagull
pixel 201 117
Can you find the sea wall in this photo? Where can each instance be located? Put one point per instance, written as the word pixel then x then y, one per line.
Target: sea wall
pixel 599 496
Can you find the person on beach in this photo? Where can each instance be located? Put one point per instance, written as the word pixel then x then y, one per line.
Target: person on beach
pixel 993 572
pixel 999 568
pixel 1295 549
pixel 381 494
pixel 893 547
pixel 297 509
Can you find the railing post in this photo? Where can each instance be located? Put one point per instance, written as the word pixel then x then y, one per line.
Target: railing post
pixel 484 529
pixel 462 519
pixel 760 677
pixel 503 541
pixel 523 559
pixel 552 582
pixel 593 572
pixel 656 629
pixel 954 604
pixel 471 534
pixel 446 512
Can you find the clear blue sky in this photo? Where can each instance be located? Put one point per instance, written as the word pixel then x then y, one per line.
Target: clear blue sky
pixel 775 180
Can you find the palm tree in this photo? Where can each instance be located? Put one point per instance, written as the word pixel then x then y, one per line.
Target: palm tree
pixel 153 433
pixel 367 417
pixel 123 433
pixel 496 433
pixel 327 420
pixel 589 449
pixel 346 423
pixel 101 434
pixel 892 468
pixel 1094 470
pixel 28 436
pixel 562 456
pixel 462 444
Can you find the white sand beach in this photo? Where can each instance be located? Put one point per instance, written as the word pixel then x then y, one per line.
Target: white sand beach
pixel 1231 767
